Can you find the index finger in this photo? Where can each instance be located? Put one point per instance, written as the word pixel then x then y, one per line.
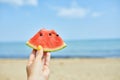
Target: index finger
pixel 32 56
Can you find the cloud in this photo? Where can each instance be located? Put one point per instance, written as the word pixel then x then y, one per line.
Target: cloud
pixel 20 2
pixel 74 11
pixel 96 14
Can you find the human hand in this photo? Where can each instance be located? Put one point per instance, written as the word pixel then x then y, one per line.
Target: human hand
pixel 38 65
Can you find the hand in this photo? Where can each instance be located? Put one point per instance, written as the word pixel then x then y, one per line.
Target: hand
pixel 38 65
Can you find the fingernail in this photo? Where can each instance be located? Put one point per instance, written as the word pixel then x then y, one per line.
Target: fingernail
pixel 39 47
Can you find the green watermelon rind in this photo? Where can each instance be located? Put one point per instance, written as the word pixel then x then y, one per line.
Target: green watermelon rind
pixel 46 49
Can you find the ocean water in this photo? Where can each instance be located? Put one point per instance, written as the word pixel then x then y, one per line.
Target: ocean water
pixel 75 48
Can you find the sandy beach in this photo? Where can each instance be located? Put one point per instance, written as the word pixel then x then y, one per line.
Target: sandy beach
pixel 65 69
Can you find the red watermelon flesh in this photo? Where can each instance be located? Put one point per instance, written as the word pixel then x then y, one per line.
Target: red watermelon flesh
pixel 48 39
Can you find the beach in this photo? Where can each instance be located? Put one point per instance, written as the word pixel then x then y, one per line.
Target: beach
pixel 66 69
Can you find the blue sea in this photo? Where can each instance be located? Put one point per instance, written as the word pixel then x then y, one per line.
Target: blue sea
pixel 75 48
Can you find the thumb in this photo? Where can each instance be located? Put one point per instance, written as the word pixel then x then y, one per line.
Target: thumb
pixel 39 53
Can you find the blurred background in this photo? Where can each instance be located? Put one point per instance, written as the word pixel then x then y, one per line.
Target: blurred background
pixel 91 28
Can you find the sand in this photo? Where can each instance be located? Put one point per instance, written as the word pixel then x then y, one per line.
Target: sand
pixel 65 69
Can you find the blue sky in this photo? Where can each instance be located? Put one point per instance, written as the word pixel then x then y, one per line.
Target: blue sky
pixel 72 19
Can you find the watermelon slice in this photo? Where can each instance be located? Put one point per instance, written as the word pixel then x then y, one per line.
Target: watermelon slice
pixel 48 39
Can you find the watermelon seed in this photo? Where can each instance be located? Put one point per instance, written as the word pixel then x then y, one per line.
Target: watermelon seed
pixel 40 34
pixel 57 35
pixel 50 34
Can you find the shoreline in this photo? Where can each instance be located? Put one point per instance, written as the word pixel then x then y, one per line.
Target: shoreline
pixel 64 58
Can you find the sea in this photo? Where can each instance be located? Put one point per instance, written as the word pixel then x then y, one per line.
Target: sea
pixel 75 49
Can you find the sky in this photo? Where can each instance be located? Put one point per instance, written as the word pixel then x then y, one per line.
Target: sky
pixel 72 19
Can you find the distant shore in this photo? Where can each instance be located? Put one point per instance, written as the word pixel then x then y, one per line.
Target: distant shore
pixel 66 69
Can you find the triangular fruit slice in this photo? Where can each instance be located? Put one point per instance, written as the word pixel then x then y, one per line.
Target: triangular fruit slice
pixel 48 39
